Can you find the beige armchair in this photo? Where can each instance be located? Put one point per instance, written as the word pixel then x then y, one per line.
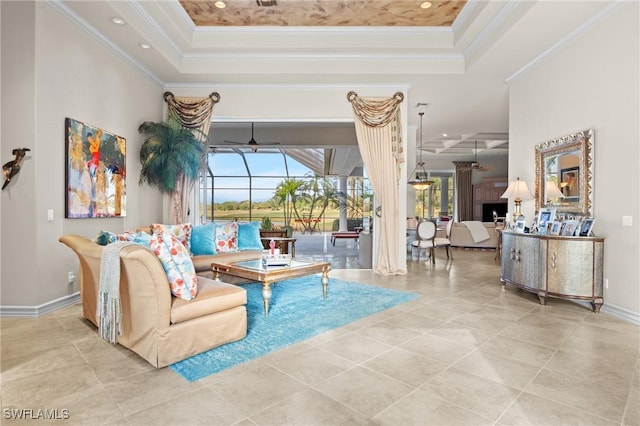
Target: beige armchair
pixel 157 326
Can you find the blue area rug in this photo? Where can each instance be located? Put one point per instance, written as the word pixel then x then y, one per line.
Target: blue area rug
pixel 297 312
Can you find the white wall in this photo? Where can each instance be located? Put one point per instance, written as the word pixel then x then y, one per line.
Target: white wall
pixel 51 69
pixel 591 82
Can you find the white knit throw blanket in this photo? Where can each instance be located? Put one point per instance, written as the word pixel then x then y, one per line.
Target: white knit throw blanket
pixel 478 231
pixel 109 308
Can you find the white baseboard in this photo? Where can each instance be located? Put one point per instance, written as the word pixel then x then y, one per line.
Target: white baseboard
pixel 54 305
pixel 36 311
pixel 622 313
pixel 616 311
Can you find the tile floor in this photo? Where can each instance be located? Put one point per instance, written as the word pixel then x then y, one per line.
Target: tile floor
pixel 466 352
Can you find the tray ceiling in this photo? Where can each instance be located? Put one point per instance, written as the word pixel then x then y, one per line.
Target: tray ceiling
pixel 354 13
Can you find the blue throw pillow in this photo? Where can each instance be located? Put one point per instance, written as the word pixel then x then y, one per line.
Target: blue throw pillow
pixel 203 239
pixel 106 237
pixel 249 236
pixel 142 238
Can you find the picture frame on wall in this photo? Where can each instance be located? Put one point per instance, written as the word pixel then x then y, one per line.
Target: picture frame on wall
pixel 95 174
pixel 586 226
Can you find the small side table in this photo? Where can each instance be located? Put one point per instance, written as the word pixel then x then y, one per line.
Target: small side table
pixel 283 244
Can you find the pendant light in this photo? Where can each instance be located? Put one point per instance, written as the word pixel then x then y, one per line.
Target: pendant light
pixel 418 178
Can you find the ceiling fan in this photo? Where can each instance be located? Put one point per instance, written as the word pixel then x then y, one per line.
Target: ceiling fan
pixel 475 165
pixel 253 144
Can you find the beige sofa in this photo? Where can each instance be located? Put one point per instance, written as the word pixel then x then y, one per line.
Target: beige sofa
pixel 157 326
pixel 461 236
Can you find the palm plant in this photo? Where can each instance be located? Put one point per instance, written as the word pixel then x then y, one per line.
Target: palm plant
pixel 284 193
pixel 171 156
pixel 315 193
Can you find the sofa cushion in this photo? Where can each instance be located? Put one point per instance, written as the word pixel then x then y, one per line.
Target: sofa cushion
pixel 249 236
pixel 203 263
pixel 181 231
pixel 213 296
pixel 227 237
pixel 203 239
pixel 177 264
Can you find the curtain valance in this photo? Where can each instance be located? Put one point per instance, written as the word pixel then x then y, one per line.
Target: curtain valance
pixel 193 113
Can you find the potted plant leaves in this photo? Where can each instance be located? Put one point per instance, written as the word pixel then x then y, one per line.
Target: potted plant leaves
pixel 170 156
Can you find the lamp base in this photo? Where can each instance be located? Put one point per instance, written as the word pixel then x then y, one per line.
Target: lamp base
pixel 517 213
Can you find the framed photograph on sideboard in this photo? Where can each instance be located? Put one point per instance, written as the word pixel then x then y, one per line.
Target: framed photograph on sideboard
pixel 570 227
pixel 546 215
pixel 556 226
pixel 520 224
pixel 586 226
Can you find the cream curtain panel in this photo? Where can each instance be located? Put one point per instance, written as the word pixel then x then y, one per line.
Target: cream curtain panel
pixel 194 113
pixel 379 136
pixel 464 190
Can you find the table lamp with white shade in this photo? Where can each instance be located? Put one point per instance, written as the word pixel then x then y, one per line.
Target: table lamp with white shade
pixel 519 191
pixel 552 193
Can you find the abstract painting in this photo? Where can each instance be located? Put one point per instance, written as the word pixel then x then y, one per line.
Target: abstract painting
pixel 95 172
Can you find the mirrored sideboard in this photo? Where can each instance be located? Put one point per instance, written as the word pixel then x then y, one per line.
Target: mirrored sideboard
pixel 554 266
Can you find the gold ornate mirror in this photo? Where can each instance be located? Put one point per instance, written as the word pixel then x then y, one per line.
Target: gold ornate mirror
pixel 564 173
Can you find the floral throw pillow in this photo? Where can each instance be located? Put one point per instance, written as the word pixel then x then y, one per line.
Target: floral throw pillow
pixel 177 264
pixel 227 237
pixel 181 231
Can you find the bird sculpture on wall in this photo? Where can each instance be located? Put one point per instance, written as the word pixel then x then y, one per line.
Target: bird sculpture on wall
pixel 11 168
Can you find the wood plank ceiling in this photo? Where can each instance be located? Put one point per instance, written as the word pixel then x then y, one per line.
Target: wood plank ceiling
pixel 342 13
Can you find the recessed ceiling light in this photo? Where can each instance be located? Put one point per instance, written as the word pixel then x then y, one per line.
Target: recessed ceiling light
pixel 444 135
pixel 425 4
pixel 220 4
pixel 118 21
pixel 145 45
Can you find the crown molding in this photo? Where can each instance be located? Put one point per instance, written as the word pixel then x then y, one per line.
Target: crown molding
pixel 324 30
pixel 586 26
pixel 84 25
pixel 154 26
pixel 491 28
pixel 184 86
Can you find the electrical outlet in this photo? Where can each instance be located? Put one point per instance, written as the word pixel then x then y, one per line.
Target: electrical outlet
pixel 72 276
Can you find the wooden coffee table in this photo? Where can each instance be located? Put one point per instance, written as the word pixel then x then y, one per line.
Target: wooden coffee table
pixel 254 271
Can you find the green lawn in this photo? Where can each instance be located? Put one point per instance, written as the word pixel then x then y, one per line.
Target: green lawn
pixel 276 216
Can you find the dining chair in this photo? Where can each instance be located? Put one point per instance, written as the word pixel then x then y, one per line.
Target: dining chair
pixel 445 242
pixel 426 232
